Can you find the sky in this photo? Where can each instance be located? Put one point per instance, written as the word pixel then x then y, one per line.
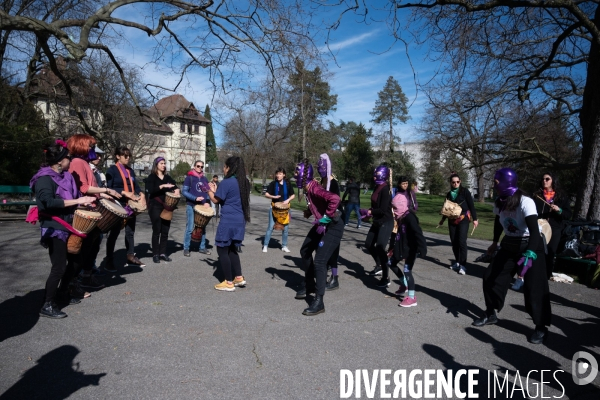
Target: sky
pixel 360 61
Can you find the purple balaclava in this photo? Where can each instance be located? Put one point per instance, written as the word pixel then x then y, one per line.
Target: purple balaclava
pixel 324 167
pixel 381 174
pixel 507 182
pixel 91 156
pixel 304 174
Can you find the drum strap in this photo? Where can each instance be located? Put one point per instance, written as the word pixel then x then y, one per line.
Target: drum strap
pixel 122 168
pixel 65 224
pixel 165 206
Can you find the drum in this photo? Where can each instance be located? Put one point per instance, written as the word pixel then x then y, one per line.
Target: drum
pixel 171 200
pixel 197 234
pixel 545 229
pixel 281 215
pixel 112 213
pixel 202 215
pixel 137 207
pixel 84 221
pixel 74 242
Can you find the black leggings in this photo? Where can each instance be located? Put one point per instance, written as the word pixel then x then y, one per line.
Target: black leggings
pixel 230 261
pixel 63 268
pixel 458 238
pixel 111 240
pixel 160 229
pixel 377 241
pixel 89 251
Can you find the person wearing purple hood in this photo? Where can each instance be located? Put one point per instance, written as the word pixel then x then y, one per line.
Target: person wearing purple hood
pixel 521 248
pixel 322 239
pixel 57 197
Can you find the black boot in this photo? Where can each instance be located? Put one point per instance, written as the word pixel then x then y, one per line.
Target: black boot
pixel 332 283
pixel 51 311
pixel 316 307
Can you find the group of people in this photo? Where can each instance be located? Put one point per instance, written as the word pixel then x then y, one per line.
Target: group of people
pixel 70 178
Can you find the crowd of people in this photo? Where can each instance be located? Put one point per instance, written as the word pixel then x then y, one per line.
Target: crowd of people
pixel 70 178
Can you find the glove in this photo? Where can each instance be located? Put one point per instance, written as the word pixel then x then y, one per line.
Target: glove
pixel 527 261
pixel 325 220
pixel 321 229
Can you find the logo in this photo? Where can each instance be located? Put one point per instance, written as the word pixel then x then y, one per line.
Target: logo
pixel 580 368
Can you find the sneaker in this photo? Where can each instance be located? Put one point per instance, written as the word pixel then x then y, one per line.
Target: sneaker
pixel 285 249
pixel 383 283
pixel 454 266
pixel 165 257
pixel 186 253
pixel 402 290
pixel 225 287
pixel 239 282
pixel 518 284
pixel 264 249
pixel 91 282
pixel 50 310
pixel 408 302
pixel 462 270
pixel 376 271
pixel 357 226
pixel 204 251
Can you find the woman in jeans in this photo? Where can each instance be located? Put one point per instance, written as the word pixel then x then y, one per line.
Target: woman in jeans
pixel 280 190
pixel 194 190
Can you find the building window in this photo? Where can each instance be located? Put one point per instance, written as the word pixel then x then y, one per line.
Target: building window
pixel 189 128
pixel 196 128
pixel 47 107
pixel 182 127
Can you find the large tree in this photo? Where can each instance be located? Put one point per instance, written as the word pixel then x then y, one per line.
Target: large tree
pixel 390 108
pixel 531 51
pixel 358 156
pixel 211 143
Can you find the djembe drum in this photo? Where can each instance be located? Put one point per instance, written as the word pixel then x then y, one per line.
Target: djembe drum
pixel 83 222
pixel 137 207
pixel 112 214
pixel 202 216
pixel 281 215
pixel 171 200
pixel 545 229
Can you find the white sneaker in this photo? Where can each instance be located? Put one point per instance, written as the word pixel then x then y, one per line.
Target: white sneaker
pixel 462 270
pixel 284 249
pixel 454 266
pixel 264 249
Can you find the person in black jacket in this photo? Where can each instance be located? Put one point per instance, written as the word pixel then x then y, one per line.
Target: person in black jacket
pixel 157 184
pixel 378 236
pixel 353 190
pixel 459 227
pixel 122 179
pixel 552 204
pixel 56 197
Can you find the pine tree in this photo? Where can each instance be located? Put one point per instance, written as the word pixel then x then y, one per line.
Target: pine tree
pixel 211 144
pixel 358 156
pixel 390 108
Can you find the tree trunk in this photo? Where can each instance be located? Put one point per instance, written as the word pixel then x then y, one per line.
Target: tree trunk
pixel 588 195
pixel 480 184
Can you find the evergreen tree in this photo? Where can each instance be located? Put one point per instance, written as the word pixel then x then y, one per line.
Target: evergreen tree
pixel 390 108
pixel 211 144
pixel 358 156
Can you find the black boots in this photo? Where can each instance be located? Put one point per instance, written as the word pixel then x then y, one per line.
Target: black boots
pixel 317 306
pixel 50 310
pixel 332 283
pixel 489 319
pixel 539 335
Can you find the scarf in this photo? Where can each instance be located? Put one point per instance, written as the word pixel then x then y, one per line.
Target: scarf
pixel 196 174
pixel 125 172
pixel 66 186
pixel 285 193
pixel 454 193
pixel 549 195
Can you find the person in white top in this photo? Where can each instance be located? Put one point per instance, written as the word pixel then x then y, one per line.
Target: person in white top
pixel 522 251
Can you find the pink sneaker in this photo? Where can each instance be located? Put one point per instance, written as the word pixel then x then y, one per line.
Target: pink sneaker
pixel 408 302
pixel 402 290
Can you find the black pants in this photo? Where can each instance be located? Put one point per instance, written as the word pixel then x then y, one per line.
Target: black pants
pixel 160 229
pixel 62 270
pixel 378 238
pixel 111 240
pixel 458 238
pixel 89 251
pixel 230 261
pixel 552 247
pixel 499 273
pixel 324 246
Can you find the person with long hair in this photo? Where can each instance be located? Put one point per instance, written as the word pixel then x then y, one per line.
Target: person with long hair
pixel 322 239
pixel 552 204
pixel 458 228
pixel 121 178
pixel 57 197
pixel 521 249
pixel 407 190
pixel 233 195
pixel 279 190
pixel 82 149
pixel 379 235
pixel 194 190
pixel 157 184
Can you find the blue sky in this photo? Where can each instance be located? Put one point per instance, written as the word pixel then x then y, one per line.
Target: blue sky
pixel 363 62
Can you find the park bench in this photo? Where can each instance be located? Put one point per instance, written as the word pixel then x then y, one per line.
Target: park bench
pixel 13 195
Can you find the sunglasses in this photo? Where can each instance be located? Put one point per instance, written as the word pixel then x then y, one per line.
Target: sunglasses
pixel 455 181
pixel 126 156
pixel 199 166
pixel 547 179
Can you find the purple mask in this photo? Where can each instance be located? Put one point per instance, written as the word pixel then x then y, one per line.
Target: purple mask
pixel 381 174
pixel 324 167
pixel 304 174
pixel 91 156
pixel 507 182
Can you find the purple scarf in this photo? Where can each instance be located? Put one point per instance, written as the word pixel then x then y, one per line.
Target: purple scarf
pixel 66 187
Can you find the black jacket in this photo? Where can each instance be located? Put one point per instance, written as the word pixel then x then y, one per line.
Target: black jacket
pixel 48 203
pixel 556 220
pixel 354 191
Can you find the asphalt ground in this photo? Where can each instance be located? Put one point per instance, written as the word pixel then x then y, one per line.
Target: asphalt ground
pixel 163 332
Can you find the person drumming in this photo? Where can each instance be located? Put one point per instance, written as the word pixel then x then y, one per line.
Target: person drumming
pixel 194 190
pixel 280 190
pixel 521 249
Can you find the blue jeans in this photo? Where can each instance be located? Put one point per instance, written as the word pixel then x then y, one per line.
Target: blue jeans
pixel 348 210
pixel 284 235
pixel 189 227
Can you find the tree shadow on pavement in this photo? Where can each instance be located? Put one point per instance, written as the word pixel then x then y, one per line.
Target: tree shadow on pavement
pixel 20 314
pixel 53 377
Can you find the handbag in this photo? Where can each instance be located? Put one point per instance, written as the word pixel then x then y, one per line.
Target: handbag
pixel 451 209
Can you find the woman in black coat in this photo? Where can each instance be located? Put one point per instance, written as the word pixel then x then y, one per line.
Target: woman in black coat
pixel 552 205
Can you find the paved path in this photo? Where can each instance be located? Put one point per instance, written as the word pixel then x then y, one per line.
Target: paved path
pixel 163 332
